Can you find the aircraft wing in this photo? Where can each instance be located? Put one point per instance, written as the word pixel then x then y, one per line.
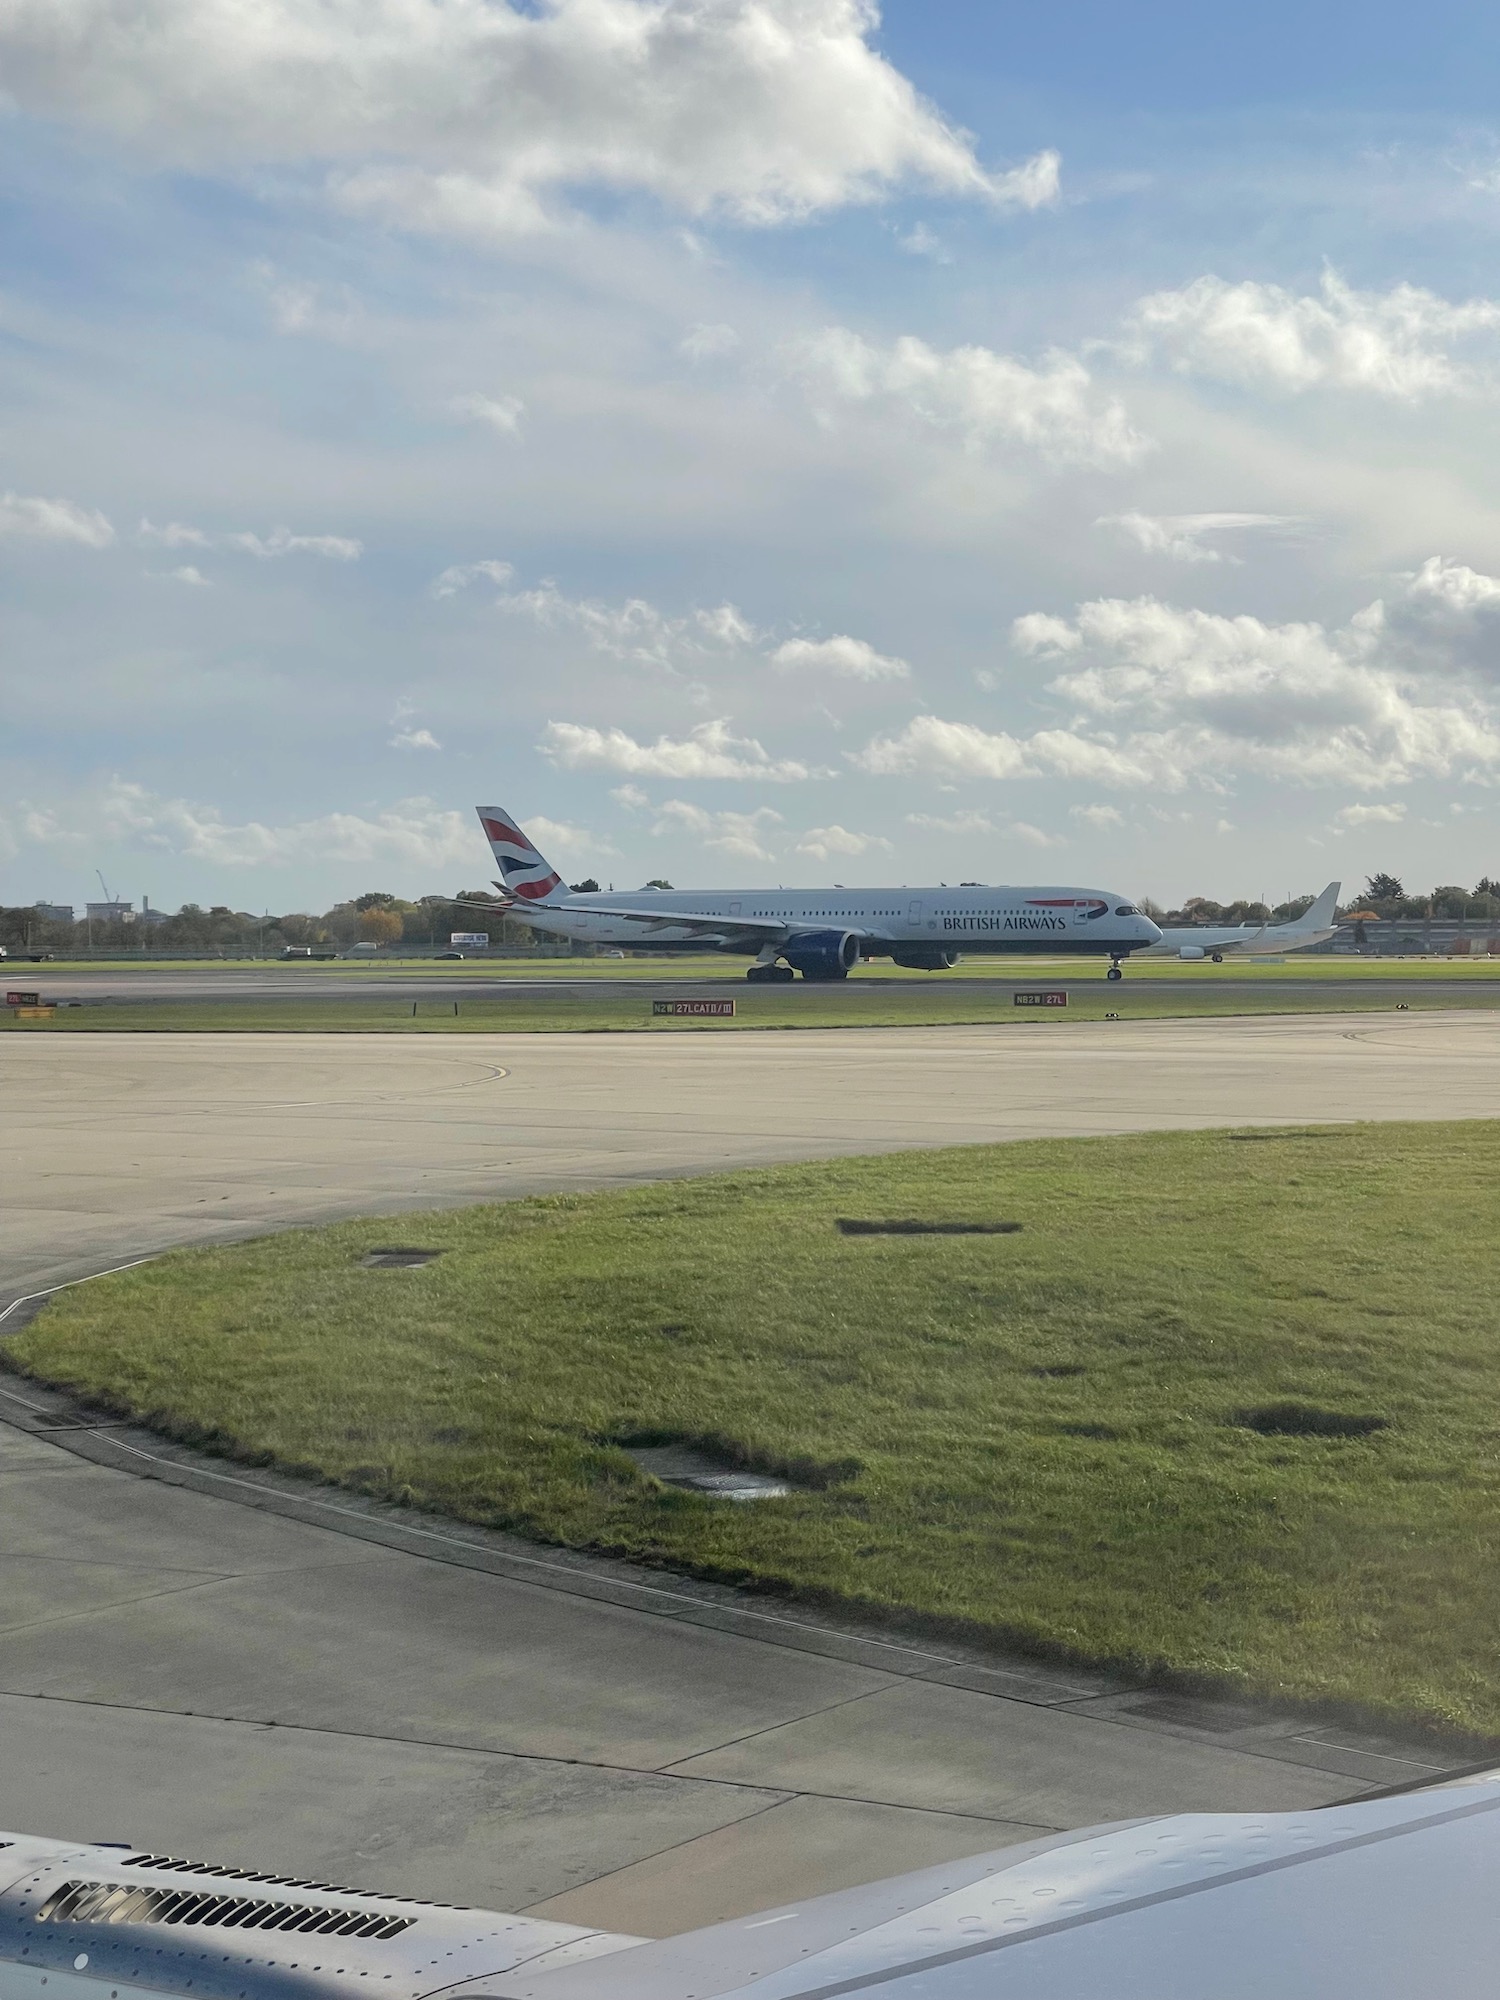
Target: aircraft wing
pixel 1384 1898
pixel 765 928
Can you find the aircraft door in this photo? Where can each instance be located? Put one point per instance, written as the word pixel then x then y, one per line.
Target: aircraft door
pixel 914 912
pixel 1081 912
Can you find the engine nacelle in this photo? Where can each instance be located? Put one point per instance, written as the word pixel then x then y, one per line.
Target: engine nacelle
pixel 1192 951
pixel 822 954
pixel 925 958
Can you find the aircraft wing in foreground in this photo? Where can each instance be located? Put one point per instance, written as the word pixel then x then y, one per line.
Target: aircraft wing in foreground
pixel 1383 1899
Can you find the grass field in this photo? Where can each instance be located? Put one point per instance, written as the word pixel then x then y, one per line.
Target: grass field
pixel 857 1004
pixel 715 965
pixel 1115 1435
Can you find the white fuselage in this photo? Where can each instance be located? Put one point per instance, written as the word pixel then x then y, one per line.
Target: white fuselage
pixel 1242 938
pixel 968 920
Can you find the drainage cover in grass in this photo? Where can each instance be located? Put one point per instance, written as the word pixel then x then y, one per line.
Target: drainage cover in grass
pixel 698 1472
pixel 397 1260
pixel 1304 1420
pixel 846 1226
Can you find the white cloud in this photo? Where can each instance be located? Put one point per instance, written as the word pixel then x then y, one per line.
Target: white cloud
pixel 1033 836
pixel 189 573
pixel 1259 336
pixel 1359 815
pixel 987 399
pixel 53 521
pixel 453 114
pixel 824 842
pixel 739 834
pixel 1163 697
pixel 965 821
pixel 1101 818
pixel 852 659
pixel 920 241
pixel 280 542
pixel 634 630
pixel 413 831
pixel 566 838
pixel 414 739
pixel 298 307
pixel 461 575
pixel 496 413
pixel 1183 537
pixel 1199 692
pixel 709 751
pixel 942 749
pixel 708 342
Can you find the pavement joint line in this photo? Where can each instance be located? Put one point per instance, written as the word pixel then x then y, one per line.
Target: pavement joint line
pixel 770 1729
pixel 674 1847
pixel 787 1792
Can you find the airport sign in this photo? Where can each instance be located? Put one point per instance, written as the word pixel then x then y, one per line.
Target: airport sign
pixel 715 1007
pixel 1055 997
pixel 469 937
pixel 23 999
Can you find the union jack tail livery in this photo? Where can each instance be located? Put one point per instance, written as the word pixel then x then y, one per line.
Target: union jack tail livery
pixel 525 873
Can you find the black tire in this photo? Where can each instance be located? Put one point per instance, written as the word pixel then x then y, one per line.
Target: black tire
pixel 1218 958
pixel 1114 973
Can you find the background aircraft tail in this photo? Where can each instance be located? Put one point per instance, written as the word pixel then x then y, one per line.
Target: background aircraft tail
pixel 524 872
pixel 1320 917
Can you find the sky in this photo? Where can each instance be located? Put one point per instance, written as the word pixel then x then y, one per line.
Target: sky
pixel 751 441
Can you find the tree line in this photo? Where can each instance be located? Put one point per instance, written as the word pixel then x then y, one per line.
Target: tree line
pixel 391 922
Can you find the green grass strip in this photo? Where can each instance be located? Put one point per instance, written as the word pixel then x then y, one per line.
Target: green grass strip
pixel 1040 1436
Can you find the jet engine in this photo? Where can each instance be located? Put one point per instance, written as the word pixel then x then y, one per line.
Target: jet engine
pixel 925 958
pixel 1191 951
pixel 822 954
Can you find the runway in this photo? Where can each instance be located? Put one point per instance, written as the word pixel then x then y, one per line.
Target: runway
pixel 252 1672
pixel 123 1145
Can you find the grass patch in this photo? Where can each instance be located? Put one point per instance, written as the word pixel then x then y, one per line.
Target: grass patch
pixel 855 1005
pixel 1140 1430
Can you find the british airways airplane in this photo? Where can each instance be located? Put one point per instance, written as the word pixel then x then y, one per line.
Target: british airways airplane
pixel 821 933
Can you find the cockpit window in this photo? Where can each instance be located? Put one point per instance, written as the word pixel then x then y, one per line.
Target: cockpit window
pixel 1127 910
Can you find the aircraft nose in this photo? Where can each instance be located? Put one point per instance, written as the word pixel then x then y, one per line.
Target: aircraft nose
pixel 1151 933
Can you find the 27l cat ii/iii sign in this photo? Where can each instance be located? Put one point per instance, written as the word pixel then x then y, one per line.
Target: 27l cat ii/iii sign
pixel 715 1007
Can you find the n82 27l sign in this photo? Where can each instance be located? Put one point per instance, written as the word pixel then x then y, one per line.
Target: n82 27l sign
pixel 1055 998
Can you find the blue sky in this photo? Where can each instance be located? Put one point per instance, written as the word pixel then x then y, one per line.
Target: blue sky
pixel 749 440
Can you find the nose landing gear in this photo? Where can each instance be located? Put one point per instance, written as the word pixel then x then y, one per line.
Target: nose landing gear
pixel 1114 971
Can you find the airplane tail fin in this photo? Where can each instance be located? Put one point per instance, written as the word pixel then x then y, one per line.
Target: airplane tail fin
pixel 1320 916
pixel 525 873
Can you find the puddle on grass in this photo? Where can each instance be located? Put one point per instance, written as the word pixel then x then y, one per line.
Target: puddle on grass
pixel 1306 1420
pixel 698 1472
pixel 396 1260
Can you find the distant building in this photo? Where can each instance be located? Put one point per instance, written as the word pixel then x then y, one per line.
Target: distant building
pixel 55 913
pixel 110 913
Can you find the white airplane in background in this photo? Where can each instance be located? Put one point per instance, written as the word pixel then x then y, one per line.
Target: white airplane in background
pixel 1314 926
pixel 820 933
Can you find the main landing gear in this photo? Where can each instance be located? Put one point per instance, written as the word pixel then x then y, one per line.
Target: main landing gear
pixel 780 974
